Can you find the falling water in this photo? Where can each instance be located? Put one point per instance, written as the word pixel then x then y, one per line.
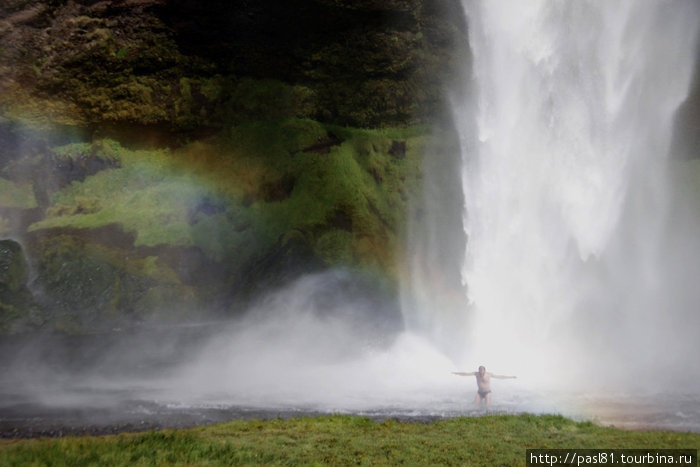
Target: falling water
pixel 565 151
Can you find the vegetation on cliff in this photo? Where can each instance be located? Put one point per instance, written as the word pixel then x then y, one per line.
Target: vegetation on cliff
pixel 180 65
pixel 206 222
pixel 178 155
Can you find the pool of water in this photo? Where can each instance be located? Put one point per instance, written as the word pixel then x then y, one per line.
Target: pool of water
pixel 161 378
pixel 91 409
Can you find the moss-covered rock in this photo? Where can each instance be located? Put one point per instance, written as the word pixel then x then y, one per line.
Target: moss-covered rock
pixel 185 65
pixel 208 225
pixel 90 281
pixel 18 310
pixel 164 157
pixel 13 267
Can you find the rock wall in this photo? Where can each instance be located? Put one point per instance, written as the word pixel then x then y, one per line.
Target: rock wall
pixel 168 159
pixel 183 65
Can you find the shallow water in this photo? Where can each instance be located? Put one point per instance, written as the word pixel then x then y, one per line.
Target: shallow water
pixel 111 408
pixel 176 377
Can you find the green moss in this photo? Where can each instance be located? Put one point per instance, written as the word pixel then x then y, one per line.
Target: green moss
pixel 20 314
pixel 267 99
pixel 184 104
pixel 16 195
pixel 264 183
pixel 137 99
pixel 139 195
pixel 341 193
pixel 88 283
pixel 213 88
pixel 366 64
pixel 13 267
pixel 335 247
pixel 168 303
pixel 9 314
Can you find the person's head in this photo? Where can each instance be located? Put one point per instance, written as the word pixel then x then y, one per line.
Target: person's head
pixel 482 370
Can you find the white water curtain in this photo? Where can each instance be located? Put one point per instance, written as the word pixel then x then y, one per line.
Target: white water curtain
pixel 565 184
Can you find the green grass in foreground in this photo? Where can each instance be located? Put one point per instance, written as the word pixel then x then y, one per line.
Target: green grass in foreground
pixel 341 440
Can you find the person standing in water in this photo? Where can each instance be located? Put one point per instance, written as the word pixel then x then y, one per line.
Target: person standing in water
pixel 483 383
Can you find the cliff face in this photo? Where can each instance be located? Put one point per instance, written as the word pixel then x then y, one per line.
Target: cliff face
pixel 161 157
pixel 185 65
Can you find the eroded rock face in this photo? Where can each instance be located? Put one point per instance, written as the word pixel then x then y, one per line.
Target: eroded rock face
pixel 251 121
pixel 179 65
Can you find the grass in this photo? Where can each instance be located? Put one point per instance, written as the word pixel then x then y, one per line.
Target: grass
pixel 341 440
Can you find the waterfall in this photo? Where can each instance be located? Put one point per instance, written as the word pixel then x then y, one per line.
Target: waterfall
pixel 565 194
pixel 565 136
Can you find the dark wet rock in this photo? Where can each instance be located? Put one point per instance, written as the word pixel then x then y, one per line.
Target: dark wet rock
pixel 277 190
pixel 18 310
pixel 95 278
pixel 398 149
pixel 185 65
pixel 324 145
pixel 13 267
pixel 291 257
pixel 207 207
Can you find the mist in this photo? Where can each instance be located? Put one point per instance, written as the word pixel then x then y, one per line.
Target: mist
pixel 295 350
pixel 318 345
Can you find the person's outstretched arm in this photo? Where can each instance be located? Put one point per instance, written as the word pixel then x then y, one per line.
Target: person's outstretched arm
pixel 503 377
pixel 461 373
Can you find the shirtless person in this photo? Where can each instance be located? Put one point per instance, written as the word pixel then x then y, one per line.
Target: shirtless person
pixel 483 382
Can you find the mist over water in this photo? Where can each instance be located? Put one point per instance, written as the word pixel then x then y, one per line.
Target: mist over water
pixel 333 354
pixel 319 345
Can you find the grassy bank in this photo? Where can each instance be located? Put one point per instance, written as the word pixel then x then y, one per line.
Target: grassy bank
pixel 341 440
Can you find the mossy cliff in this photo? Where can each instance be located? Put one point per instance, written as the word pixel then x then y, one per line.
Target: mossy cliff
pixel 183 65
pixel 160 158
